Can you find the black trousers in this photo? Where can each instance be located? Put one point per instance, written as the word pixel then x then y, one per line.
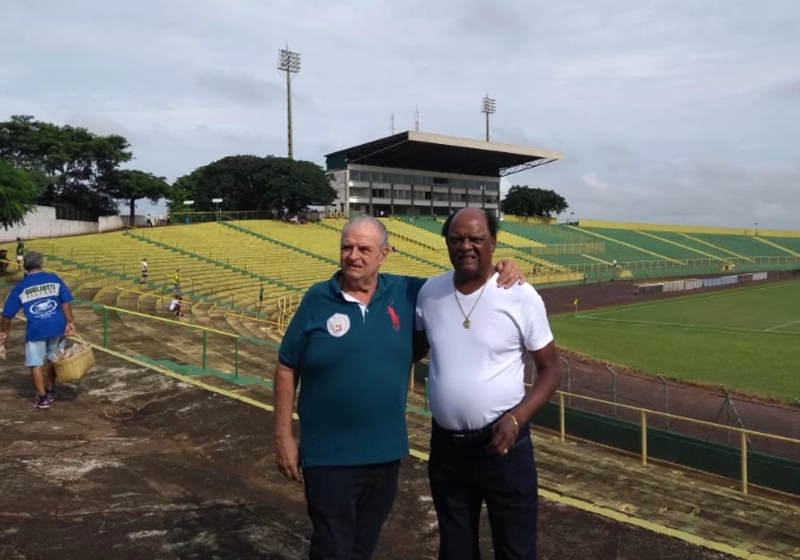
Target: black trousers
pixel 348 507
pixel 463 476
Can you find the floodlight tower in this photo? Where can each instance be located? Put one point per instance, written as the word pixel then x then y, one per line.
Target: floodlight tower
pixel 488 107
pixel 289 62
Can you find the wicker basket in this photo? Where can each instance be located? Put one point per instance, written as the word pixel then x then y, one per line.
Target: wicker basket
pixel 71 367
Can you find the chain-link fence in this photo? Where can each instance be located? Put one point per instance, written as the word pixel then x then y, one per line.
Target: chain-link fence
pixel 701 402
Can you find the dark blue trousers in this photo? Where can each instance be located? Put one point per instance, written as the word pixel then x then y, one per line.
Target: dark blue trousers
pixel 463 476
pixel 348 507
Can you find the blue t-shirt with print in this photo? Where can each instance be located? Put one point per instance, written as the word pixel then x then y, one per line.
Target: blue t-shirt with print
pixel 40 295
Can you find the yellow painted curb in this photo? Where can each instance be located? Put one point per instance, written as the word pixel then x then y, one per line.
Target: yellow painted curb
pixel 190 380
pixel 635 521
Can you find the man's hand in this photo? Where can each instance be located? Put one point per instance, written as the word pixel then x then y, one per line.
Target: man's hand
pixel 504 435
pixel 287 458
pixel 3 338
pixel 510 274
pixel 70 330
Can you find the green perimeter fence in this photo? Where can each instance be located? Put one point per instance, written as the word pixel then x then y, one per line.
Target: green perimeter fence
pixel 190 349
pixel 739 462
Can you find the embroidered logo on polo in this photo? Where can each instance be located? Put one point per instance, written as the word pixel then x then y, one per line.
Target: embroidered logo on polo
pixel 394 317
pixel 338 324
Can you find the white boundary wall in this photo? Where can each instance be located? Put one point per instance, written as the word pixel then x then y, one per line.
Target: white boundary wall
pixel 42 223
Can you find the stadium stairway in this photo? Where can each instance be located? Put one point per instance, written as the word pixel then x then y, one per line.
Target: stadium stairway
pixel 615 244
pixel 506 249
pixel 321 241
pixel 777 246
pixel 686 252
pixel 743 246
pixel 791 244
pixel 726 250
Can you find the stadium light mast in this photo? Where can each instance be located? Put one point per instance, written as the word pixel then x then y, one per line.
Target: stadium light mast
pixel 289 62
pixel 488 107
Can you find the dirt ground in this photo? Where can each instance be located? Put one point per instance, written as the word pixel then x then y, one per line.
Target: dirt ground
pixel 131 464
pixel 596 379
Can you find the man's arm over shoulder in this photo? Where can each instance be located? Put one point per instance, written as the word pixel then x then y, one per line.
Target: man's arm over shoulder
pixel 413 286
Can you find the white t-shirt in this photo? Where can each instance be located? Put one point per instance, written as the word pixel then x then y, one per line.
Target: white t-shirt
pixel 477 374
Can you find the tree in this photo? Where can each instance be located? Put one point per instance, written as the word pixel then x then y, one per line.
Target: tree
pixel 18 195
pixel 266 184
pixel 534 202
pixel 131 185
pixel 72 165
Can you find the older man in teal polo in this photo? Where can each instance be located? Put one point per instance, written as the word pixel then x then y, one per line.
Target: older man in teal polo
pixel 351 343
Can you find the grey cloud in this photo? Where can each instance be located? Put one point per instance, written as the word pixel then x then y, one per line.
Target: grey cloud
pixel 239 87
pixel 99 124
pixel 698 191
pixel 789 90
pixel 515 135
pixel 493 21
pixel 654 103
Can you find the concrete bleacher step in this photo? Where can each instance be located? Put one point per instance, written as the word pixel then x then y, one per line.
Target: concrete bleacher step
pixel 86 293
pixel 246 326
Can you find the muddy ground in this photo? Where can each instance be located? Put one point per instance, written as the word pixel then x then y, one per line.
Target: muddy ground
pixel 132 464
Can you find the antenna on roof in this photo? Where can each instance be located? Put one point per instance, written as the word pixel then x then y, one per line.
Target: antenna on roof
pixel 391 124
pixel 416 118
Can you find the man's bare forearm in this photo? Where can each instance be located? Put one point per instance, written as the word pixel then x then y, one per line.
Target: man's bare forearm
pixel 5 324
pixel 283 400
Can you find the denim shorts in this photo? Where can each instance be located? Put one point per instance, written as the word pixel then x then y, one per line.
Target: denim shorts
pixel 37 350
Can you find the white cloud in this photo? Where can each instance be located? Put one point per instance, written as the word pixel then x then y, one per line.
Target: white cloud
pixel 593 182
pixel 666 110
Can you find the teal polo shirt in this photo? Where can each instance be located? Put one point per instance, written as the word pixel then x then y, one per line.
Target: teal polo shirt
pixel 354 372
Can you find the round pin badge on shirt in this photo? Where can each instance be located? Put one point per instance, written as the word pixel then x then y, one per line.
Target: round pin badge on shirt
pixel 338 324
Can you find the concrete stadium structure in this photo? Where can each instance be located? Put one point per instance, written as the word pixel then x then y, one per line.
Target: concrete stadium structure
pixel 421 174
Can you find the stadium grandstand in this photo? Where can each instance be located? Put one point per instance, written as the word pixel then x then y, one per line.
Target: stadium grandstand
pixel 421 174
pixel 243 277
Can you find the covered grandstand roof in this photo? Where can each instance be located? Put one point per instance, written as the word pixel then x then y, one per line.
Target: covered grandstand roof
pixel 443 154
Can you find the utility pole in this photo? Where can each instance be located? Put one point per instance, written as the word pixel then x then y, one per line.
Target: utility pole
pixel 488 107
pixel 289 62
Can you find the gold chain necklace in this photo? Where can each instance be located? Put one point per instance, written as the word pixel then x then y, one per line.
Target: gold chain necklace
pixel 466 316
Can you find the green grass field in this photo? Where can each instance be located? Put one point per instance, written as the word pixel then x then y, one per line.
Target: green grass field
pixel 746 339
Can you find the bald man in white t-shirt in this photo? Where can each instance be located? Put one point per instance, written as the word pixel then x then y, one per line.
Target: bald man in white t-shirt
pixel 480 337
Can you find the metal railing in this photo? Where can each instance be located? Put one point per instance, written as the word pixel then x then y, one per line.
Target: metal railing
pixel 205 332
pixel 645 413
pixel 159 298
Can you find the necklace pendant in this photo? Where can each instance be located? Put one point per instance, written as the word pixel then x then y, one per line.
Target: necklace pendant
pixel 466 323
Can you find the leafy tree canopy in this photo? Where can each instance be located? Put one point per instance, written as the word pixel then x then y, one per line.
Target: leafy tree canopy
pixel 18 194
pixel 131 185
pixel 268 184
pixel 72 166
pixel 532 202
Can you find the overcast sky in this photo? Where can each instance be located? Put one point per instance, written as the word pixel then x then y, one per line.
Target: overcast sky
pixel 680 111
